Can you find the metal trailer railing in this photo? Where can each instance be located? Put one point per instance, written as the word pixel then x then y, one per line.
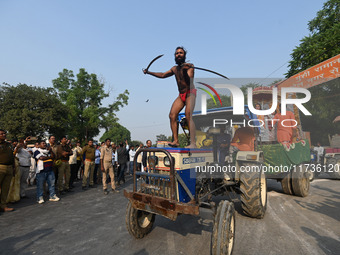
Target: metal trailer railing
pixel 157 193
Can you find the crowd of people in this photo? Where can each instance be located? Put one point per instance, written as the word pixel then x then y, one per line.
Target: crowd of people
pixel 54 167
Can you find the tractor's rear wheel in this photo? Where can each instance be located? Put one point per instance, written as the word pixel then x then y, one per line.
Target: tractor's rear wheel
pixel 253 187
pixel 223 235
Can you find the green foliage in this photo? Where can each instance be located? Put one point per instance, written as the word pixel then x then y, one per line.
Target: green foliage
pixel 324 107
pixel 182 139
pixel 245 87
pixel 83 97
pixel 31 111
pixel 161 137
pixel 136 143
pixel 322 43
pixel 117 133
pixel 225 102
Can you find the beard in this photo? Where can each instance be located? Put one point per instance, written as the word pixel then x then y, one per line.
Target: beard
pixel 179 61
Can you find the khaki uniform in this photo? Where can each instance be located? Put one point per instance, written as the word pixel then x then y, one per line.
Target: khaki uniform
pixel 89 152
pixel 106 158
pixel 6 171
pixel 64 168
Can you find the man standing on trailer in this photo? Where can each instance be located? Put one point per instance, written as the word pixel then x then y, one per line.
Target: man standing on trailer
pixel 184 73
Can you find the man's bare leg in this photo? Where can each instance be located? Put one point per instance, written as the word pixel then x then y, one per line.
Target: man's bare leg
pixel 189 108
pixel 176 107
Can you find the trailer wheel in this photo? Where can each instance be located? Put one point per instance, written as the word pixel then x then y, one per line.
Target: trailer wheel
pixel 139 223
pixel 253 187
pixel 286 184
pixel 300 181
pixel 335 174
pixel 223 235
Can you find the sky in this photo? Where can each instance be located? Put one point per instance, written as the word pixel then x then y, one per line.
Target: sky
pixel 116 39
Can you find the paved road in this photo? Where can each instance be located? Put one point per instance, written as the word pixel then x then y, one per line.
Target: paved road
pixel 88 222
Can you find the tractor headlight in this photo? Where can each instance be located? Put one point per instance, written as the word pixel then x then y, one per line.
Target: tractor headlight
pixel 251 157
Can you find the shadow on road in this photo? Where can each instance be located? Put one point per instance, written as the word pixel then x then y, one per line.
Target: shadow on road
pixel 141 252
pixel 328 206
pixel 185 224
pixel 326 243
pixel 8 245
pixel 273 185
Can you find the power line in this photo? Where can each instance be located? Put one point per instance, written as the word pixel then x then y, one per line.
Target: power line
pixel 274 71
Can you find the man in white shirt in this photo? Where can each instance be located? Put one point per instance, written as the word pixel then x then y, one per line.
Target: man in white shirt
pixel 73 165
pixel 132 153
pixel 320 151
pixel 24 156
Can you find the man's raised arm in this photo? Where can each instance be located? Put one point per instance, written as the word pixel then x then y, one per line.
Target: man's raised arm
pixel 160 75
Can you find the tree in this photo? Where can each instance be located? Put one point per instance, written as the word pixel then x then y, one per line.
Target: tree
pixel 324 107
pixel 31 111
pixel 136 142
pixel 83 96
pixel 323 41
pixel 117 133
pixel 225 102
pixel 182 140
pixel 321 44
pixel 161 137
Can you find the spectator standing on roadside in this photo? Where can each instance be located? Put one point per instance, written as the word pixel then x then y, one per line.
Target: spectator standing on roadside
pixel 44 158
pixel 320 152
pixel 32 172
pixel 122 154
pixel 132 154
pixel 114 160
pixel 79 159
pixel 24 157
pixel 139 158
pixel 145 154
pixel 6 170
pixel 53 145
pixel 73 165
pixel 96 173
pixel 64 152
pixel 89 151
pixel 14 190
pixel 107 165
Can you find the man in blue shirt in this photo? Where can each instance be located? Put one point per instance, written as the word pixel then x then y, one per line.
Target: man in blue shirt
pixel 96 166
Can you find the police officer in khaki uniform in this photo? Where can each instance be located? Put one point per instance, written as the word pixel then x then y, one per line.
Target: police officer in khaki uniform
pixel 107 166
pixel 64 152
pixel 89 151
pixel 6 170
